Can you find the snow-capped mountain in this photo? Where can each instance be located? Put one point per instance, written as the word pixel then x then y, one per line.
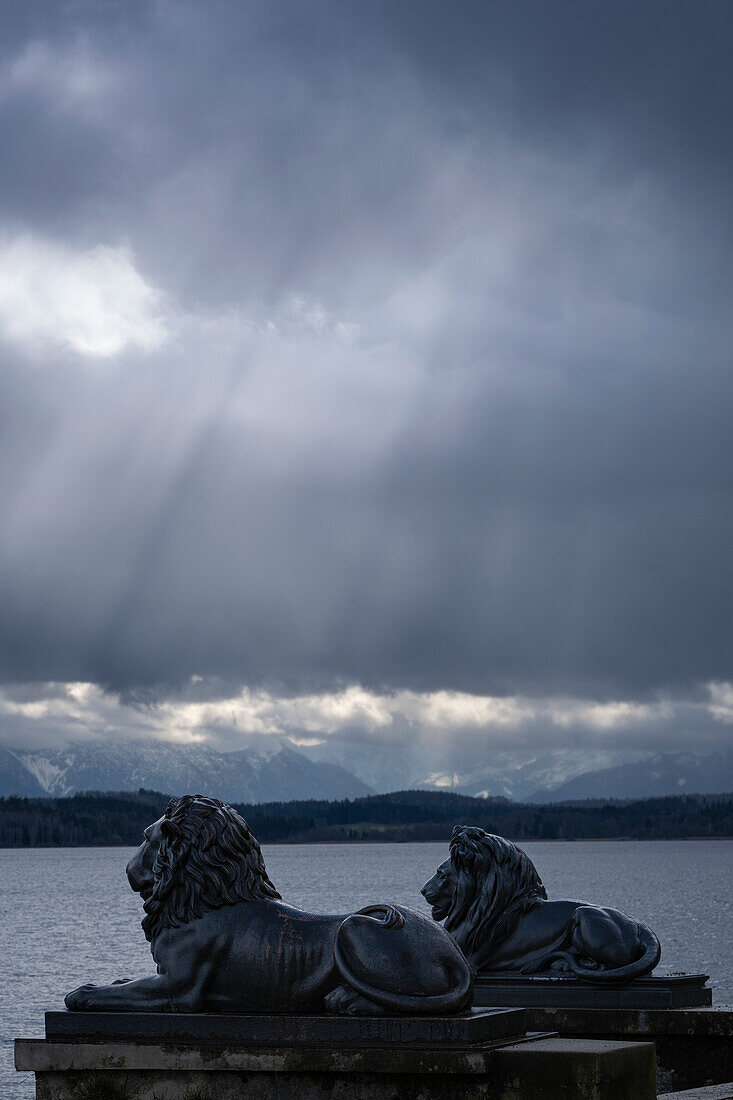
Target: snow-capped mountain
pixel 273 771
pixel 516 774
pixel 16 778
pixel 522 776
pixel 660 774
pixel 277 774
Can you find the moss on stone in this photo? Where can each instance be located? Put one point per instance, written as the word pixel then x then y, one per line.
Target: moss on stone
pixel 99 1086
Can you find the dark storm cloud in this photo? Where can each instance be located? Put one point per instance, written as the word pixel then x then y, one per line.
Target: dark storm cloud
pixel 445 396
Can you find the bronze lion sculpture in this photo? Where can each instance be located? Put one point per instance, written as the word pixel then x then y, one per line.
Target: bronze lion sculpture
pixel 224 941
pixel 493 903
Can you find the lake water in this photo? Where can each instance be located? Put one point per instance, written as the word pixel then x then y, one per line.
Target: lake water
pixel 67 916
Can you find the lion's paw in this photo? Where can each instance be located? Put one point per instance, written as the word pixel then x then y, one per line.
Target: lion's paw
pixel 80 999
pixel 344 1001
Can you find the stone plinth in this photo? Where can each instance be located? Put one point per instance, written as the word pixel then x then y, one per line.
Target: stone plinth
pixel 532 1068
pixel 512 990
pixel 694 1045
pixel 479 1026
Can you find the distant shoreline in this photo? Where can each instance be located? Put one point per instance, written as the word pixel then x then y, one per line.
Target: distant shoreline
pixel 370 840
pixel 117 819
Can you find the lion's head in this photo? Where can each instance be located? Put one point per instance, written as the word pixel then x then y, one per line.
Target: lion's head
pixel 200 855
pixel 481 890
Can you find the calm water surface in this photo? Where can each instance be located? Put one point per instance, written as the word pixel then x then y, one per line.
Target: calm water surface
pixel 67 916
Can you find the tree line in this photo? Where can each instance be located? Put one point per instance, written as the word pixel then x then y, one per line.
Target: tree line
pixel 99 819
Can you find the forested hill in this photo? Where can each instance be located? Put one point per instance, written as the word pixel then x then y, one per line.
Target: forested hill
pixel 97 819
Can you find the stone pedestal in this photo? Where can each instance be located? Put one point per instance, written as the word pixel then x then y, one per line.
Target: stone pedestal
pixel 694 1041
pixel 476 1057
pixel 694 1045
pixel 514 990
pixel 478 1026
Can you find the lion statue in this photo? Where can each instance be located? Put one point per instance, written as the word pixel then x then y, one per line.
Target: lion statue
pixel 224 941
pixel 493 903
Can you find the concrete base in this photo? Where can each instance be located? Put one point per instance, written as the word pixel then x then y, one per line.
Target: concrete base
pixel 533 1069
pixel 694 1046
pixel 558 990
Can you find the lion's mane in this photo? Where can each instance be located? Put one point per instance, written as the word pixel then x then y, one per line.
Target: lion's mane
pixel 208 858
pixel 496 883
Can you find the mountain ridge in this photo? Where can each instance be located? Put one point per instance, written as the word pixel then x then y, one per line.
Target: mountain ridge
pixel 511 773
pixel 658 775
pixel 245 775
pixel 274 770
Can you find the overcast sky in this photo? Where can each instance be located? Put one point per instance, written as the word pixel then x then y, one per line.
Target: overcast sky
pixel 361 355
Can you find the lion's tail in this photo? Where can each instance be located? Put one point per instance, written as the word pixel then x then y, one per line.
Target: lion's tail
pixel 354 951
pixel 644 964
